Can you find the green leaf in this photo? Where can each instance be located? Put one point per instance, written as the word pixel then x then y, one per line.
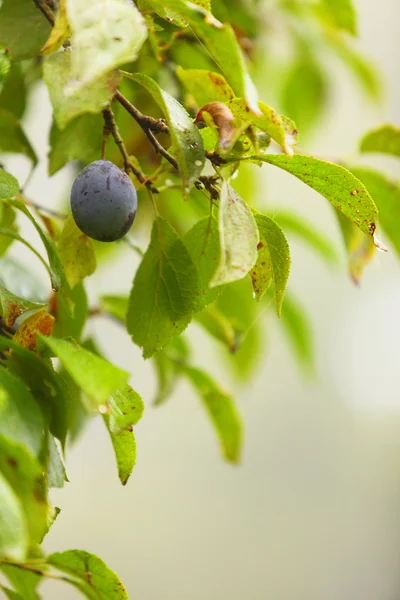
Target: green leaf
pixel 293 224
pixel 238 236
pixel 360 249
pixel 21 419
pixel 276 126
pixel 273 262
pixel 23 28
pixel 221 410
pixel 24 581
pixel 13 534
pixel 205 86
pixel 202 243
pixel 385 139
pixel 124 445
pixel 7 221
pixel 56 474
pixel 222 44
pixel 167 364
pixel 386 195
pixel 76 253
pixel 69 102
pixel 342 14
pixel 44 384
pixel 13 94
pixel 12 306
pixel 12 137
pixel 10 594
pixel 19 278
pixel 304 91
pixel 105 35
pixel 9 186
pixel 220 327
pixel 298 332
pixel 56 268
pixel 95 376
pixel 70 307
pixel 80 140
pixel 332 181
pixel 24 474
pixel 164 292
pixel 90 574
pixel 186 140
pixel 117 306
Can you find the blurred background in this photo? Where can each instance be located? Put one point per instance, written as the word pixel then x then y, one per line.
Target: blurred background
pixel 313 510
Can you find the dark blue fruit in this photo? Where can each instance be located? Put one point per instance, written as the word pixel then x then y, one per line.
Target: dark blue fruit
pixel 103 201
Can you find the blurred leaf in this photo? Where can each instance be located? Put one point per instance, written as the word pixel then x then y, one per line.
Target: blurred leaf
pixel 24 474
pixel 167 365
pixel 10 594
pixel 44 384
pixel 12 306
pixel 105 35
pixel 304 91
pixel 80 140
pixel 56 474
pixel 332 181
pixel 298 331
pixel 202 243
pixel 56 267
pixel 78 414
pixel 12 137
pixel 238 236
pixel 205 86
pixel 13 534
pixel 222 411
pixel 7 221
pixel 220 327
pixel 186 139
pixel 20 279
pixel 21 419
pixel 94 375
pixel 60 31
pixel 385 139
pixel 117 306
pixel 68 102
pixel 293 224
pixel 342 14
pixel 40 322
pixel 360 249
pixel 14 91
pixel 273 262
pixel 70 307
pixel 165 290
pixel 23 28
pixel 9 186
pixel 90 574
pixel 268 121
pixel 386 195
pixel 24 581
pixel 76 253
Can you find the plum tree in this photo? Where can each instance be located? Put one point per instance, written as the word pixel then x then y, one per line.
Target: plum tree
pixel 103 201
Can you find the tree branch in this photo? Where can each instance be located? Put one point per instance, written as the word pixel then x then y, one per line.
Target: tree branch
pixel 46 11
pixel 110 126
pixel 145 122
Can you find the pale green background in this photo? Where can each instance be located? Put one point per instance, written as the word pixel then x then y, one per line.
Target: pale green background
pixel 313 512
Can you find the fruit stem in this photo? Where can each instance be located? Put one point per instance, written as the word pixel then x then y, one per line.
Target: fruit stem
pixel 111 126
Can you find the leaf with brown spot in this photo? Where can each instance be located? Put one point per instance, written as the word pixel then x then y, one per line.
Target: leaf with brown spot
pixel 217 115
pixel 41 322
pixel 12 306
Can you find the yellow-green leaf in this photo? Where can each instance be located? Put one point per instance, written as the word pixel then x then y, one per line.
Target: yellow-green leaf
pixel 384 139
pixel 76 252
pixel 60 31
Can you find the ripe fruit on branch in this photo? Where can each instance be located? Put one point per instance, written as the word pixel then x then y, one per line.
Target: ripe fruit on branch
pixel 103 201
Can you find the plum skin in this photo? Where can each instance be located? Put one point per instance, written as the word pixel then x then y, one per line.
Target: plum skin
pixel 103 201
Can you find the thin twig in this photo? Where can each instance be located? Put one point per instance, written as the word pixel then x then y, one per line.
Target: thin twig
pixel 46 11
pixel 111 125
pixel 145 122
pixel 161 150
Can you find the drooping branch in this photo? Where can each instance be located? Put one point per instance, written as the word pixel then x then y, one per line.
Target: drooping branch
pixel 111 126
